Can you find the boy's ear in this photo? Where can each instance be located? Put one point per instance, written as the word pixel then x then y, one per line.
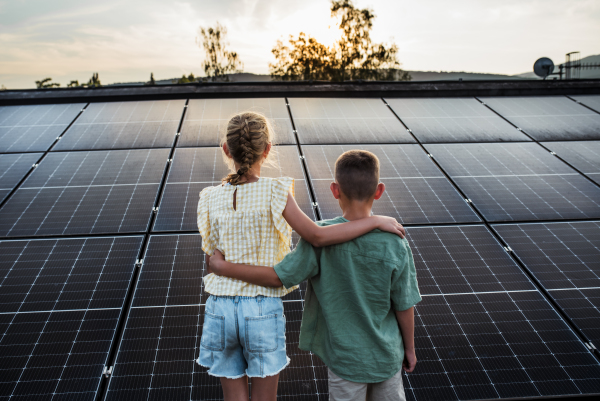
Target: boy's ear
pixel 379 191
pixel 335 190
pixel 226 150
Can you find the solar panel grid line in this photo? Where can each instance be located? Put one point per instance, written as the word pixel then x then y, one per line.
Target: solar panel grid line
pixel 593 105
pixel 369 116
pixel 522 354
pixel 50 134
pixel 581 156
pixel 451 120
pixel 419 194
pixel 520 182
pixel 142 124
pixel 7 196
pixel 553 264
pixel 63 350
pixel 306 174
pixel 548 118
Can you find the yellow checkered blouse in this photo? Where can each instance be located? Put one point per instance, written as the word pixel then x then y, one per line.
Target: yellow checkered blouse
pixel 255 233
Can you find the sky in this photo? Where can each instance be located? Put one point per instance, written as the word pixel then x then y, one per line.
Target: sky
pixel 126 40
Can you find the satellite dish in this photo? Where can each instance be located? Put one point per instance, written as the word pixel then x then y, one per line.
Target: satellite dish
pixel 543 67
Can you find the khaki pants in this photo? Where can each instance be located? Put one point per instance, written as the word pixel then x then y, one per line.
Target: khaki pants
pixel 344 390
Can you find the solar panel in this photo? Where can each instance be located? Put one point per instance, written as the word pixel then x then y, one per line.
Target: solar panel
pixel 497 159
pixel 416 190
pixel 13 168
pixel 592 101
pixel 34 128
pixel 518 182
pixel 463 259
pixel 206 119
pixel 86 192
pixel 58 355
pixel 583 155
pixel 548 118
pixel 162 334
pixel 453 120
pixel 172 272
pixel 329 121
pixel 498 345
pixel 149 124
pixel 565 258
pixel 61 274
pixel 60 302
pixel 197 168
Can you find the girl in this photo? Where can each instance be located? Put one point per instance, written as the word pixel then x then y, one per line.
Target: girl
pixel 248 218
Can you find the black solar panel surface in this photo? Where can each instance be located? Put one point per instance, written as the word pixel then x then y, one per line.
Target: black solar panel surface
pixel 498 345
pixel 13 168
pixel 86 192
pixel 206 119
pixel 197 168
pixel 583 155
pixel 483 330
pixel 565 258
pixel 55 356
pixel 592 101
pixel 463 259
pixel 60 274
pixel 34 128
pixel 548 118
pixel 156 356
pixel 416 190
pixel 518 181
pixel 149 124
pixel 326 121
pixel 453 120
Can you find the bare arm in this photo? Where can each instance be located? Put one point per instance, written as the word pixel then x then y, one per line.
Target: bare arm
pixel 406 322
pixel 329 235
pixel 206 262
pixel 260 275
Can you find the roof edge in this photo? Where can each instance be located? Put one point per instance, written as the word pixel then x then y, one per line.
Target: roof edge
pixel 302 89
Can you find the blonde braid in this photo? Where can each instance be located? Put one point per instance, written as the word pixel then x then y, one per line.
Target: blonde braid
pixel 248 135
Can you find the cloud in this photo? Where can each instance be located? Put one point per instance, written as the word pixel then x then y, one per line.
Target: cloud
pixel 125 41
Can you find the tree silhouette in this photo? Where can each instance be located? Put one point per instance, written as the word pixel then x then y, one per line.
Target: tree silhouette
pixel 73 84
pixel 46 83
pixel 188 79
pixel 218 60
pixel 93 82
pixel 353 56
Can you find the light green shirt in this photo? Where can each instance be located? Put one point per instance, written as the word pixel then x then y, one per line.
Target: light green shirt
pixel 353 290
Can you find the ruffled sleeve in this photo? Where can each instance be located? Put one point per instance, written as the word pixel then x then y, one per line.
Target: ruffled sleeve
pixel 209 243
pixel 279 191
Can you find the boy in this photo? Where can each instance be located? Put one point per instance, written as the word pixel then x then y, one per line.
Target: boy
pixel 358 315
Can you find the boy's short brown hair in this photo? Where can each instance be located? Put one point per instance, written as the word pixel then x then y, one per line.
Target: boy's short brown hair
pixel 357 173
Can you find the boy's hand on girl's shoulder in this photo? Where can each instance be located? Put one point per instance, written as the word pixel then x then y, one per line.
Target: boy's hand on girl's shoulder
pixel 390 225
pixel 410 360
pixel 215 263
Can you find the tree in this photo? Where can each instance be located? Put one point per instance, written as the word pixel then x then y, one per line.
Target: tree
pixel 218 60
pixel 353 56
pixel 152 81
pixel 93 82
pixel 73 84
pixel 304 59
pixel 188 79
pixel 46 83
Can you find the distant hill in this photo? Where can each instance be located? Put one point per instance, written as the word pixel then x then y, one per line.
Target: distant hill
pixel 585 74
pixel 416 75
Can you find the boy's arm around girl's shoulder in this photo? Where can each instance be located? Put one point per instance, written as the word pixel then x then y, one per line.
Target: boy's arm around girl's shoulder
pixel 297 266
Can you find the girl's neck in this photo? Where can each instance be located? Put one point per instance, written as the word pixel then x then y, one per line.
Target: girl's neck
pixel 253 173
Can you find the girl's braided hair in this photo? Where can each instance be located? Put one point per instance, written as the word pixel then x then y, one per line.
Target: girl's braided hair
pixel 247 137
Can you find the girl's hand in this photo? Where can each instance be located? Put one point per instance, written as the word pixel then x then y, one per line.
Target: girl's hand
pixel 390 225
pixel 216 262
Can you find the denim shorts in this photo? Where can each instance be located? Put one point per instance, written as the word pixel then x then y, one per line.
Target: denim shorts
pixel 243 336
